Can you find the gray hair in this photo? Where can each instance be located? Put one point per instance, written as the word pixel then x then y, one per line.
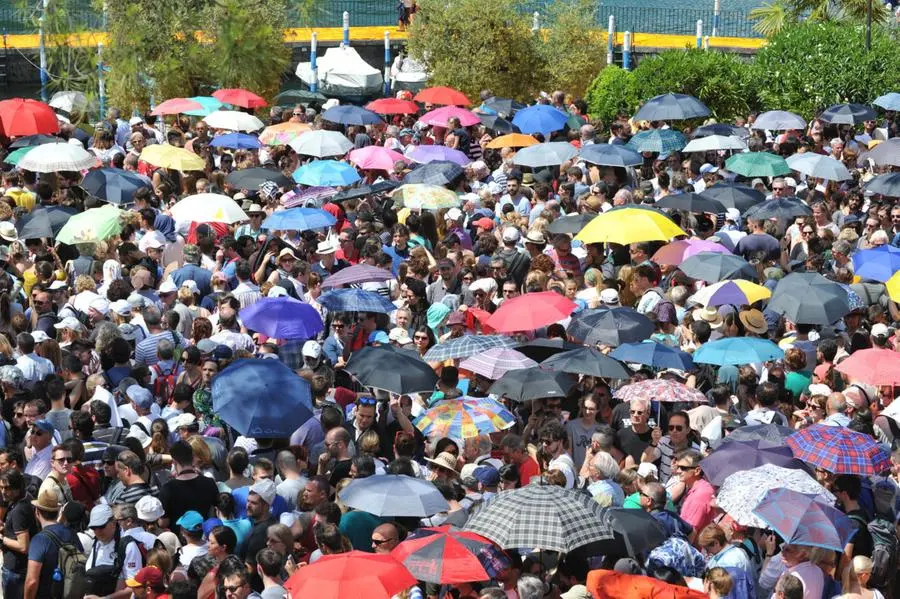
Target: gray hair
pixel 12 375
pixel 879 235
pixel 841 246
pixel 106 332
pixel 531 587
pixel 126 511
pixel 605 437
pixel 657 495
pixel 605 465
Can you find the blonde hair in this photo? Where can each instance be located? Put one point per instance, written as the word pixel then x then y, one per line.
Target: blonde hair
pixel 202 455
pixel 84 283
pixel 719 580
pixel 369 442
pixel 185 296
pixel 5 347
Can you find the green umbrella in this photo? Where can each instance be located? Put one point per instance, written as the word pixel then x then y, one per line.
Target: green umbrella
pixel 575 122
pixel 95 224
pixel 758 164
pixel 16 155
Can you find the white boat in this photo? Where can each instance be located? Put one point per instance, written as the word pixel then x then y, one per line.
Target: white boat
pixel 342 72
pixel 408 73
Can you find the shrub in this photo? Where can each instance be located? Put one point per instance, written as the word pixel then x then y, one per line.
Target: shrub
pixel 611 93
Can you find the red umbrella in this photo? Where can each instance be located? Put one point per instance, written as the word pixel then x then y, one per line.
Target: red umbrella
pixel 20 117
pixel 443 556
pixel 350 576
pixel 531 311
pixel 177 106
pixel 239 97
pixel 873 366
pixel 393 106
pixel 446 96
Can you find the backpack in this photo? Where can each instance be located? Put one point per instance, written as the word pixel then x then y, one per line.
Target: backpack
pixel 164 385
pixel 885 551
pixel 68 576
pixel 102 580
pixel 82 317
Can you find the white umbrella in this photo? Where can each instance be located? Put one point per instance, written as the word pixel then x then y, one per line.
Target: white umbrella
pixel 208 208
pixel 321 144
pixel 778 120
pixel 52 158
pixel 714 143
pixel 553 153
pixel 819 166
pixel 233 120
pixel 69 101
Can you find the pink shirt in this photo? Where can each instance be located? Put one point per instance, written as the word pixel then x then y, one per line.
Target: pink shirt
pixel 697 509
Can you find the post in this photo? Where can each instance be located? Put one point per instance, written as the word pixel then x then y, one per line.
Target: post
pixel 535 22
pixel 611 40
pixel 101 81
pixel 387 64
pixel 699 33
pixel 706 43
pixel 717 9
pixel 868 25
pixel 314 70
pixel 626 52
pixel 347 28
pixel 45 77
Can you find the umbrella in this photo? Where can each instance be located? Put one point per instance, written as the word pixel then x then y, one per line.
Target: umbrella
pixel 440 116
pixel 44 222
pixel 887 185
pixel 464 418
pixel 745 455
pixel 691 202
pixel 540 118
pixel 208 208
pixel 428 197
pixel 888 101
pixel 465 346
pixel 661 390
pixel 720 129
pixel 236 141
pixel 839 450
pixel 658 140
pixel 356 300
pixel 362 191
pixel 758 164
pixel 531 311
pixel 779 208
pixel 503 105
pixel 321 144
pixel 736 196
pixel 114 185
pixel 878 264
pixel 809 298
pixel 304 96
pixel 541 348
pixel 546 154
pixel 678 251
pixel 713 267
pixel 497 124
pixel 176 106
pixel 352 115
pixel 392 106
pixel 384 367
pixel 886 153
pixel 443 555
pixel 494 363
pixel 512 140
pixel 768 432
pixel 671 107
pixel 175 158
pixel 358 273
pixel 233 120
pixel 52 158
pixel 630 224
pixel 636 533
pixel 91 225
pixel 396 495
pixel 653 354
pixel 69 101
pixel 588 361
pixel 20 116
pixel 427 154
pixel 438 172
pixel 376 157
pixel 327 173
pixel 610 155
pixel 15 156
pixel 741 492
pixel 444 96
pixel 876 366
pixel 544 517
pixel 818 166
pixel 715 143
pixel 350 576
pixel 737 351
pixel 298 219
pixel 30 141
pixel 571 224
pixel 261 398
pixel 239 97
pixel 779 120
pixel 252 178
pixel 533 383
pixel 282 133
pixel 308 197
pixel 282 318
pixel 208 105
pixel 735 293
pixel 848 114
pixel 802 520
pixel 610 326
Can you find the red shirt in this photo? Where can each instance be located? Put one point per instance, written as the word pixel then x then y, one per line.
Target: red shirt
pixel 85 484
pixel 527 470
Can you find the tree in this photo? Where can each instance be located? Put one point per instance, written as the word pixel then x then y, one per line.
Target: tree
pixel 774 16
pixel 611 93
pixel 571 47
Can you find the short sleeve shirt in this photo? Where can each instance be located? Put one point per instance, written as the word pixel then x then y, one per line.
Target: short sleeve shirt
pixel 697 509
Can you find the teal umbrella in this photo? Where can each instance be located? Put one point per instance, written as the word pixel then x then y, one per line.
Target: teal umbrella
pixel 15 156
pixel 209 104
pixel 758 164
pixel 658 140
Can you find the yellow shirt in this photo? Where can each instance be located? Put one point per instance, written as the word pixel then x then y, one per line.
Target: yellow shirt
pixel 23 198
pixel 29 278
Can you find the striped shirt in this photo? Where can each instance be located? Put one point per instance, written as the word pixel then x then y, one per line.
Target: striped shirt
pixel 667 456
pixel 145 352
pixel 132 493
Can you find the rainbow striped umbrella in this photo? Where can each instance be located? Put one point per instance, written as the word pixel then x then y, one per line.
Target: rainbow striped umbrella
pixel 464 418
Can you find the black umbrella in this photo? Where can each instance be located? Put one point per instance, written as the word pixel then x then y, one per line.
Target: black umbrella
pixel 887 185
pixel 780 208
pixel 809 298
pixel 610 155
pixel 721 129
pixel 610 326
pixel 691 202
pixel 365 190
pixel 497 124
pixel 29 141
pixel 397 371
pixel 734 196
pixel 252 178
pixel 533 383
pixel 540 349
pixel 301 95
pixel 636 533
pixel 760 432
pixel 44 222
pixel 439 172
pixel 586 360
pixel 713 267
pixel 571 223
pixel 671 107
pixel 503 106
pixel 848 114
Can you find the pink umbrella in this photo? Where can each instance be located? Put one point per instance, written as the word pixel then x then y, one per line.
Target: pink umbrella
pixel 176 106
pixel 678 251
pixel 376 157
pixel 439 116
pixel 496 362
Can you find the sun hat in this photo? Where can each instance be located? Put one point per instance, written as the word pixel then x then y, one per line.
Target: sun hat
pixel 46 501
pixel 754 321
pixel 444 460
pixel 326 247
pixel 710 315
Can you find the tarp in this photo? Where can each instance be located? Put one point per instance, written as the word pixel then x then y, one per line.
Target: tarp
pixel 342 72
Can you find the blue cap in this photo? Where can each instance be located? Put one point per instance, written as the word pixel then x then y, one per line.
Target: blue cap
pixel 45 426
pixel 487 475
pixel 210 524
pixel 222 352
pixel 191 521
pixel 379 337
pixel 140 396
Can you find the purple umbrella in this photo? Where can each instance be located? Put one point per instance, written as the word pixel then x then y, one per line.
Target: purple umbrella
pixel 744 455
pixel 283 318
pixel 678 251
pixel 358 273
pixel 426 154
pixel 801 520
pixel 309 196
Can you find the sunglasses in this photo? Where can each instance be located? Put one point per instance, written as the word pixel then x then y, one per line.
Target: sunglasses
pixel 676 427
pixel 64 460
pixel 367 401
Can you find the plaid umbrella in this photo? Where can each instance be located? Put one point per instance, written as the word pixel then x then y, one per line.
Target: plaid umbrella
pixel 468 345
pixel 544 517
pixel 358 273
pixel 494 363
pixel 802 520
pixel 658 140
pixel 768 432
pixel 745 455
pixel 533 383
pixel 610 326
pixel 662 390
pixel 443 555
pixel 839 450
pixel 356 300
pixel 438 172
pixel 464 418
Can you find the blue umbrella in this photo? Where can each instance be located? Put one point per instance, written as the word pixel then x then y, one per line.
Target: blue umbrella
pixel 330 173
pixel 887 184
pixel 114 185
pixel 802 520
pixel 236 141
pixel 651 353
pixel 878 264
pixel 298 219
pixel 351 115
pixel 671 107
pixel 658 140
pixel 283 318
pixel 610 155
pixel 261 398
pixel 44 222
pixel 737 351
pixel 889 101
pixel 356 300
pixel 540 118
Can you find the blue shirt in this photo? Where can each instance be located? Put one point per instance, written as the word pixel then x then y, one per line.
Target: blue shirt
pixel 44 550
pixel 279 505
pixel 192 272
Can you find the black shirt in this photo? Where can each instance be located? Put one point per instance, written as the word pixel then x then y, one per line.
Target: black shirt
pixel 19 518
pixel 340 471
pixel 632 443
pixel 862 540
pixel 179 496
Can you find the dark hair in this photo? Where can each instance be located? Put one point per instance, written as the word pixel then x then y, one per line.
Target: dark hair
pixel 767 394
pixel 849 484
pixel 270 562
pixel 182 453
pixel 82 423
pixel 238 460
pixel 225 504
pixel 225 536
pixel 330 512
pixel 401 466
pixel 365 466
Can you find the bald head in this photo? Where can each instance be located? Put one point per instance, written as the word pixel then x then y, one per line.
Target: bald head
pixel 385 537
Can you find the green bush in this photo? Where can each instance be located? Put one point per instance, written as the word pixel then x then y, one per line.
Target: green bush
pixel 611 93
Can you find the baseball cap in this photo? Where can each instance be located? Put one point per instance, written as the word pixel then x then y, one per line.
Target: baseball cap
pixel 69 322
pixel 192 521
pixel 708 168
pixel 379 337
pixel 487 475
pixel 222 352
pixel 101 514
pixel 150 576
pixel 181 421
pixel 57 285
pixel 610 297
pixel 511 235
pixel 210 524
pixel 39 336
pixel 400 336
pixel 135 120
pixel 484 223
pixel 207 346
pixel 45 426
pixel 265 488
pixel 312 349
pixel 120 307
pixel 149 509
pixel 453 214
pixel 168 286
pixel 101 305
pixel 880 330
pixel 140 396
pixel 192 286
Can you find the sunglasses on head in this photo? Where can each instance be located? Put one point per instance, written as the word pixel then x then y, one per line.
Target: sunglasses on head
pixel 367 401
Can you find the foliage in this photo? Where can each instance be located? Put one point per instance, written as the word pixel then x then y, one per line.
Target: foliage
pixel 812 65
pixel 612 93
pixel 775 16
pixel 571 47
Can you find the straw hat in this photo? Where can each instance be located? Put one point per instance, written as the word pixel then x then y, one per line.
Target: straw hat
pixel 46 501
pixel 754 321
pixel 444 460
pixel 710 315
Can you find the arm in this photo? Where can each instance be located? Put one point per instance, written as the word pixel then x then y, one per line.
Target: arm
pixel 32 579
pixel 400 417
pixel 260 273
pixel 19 544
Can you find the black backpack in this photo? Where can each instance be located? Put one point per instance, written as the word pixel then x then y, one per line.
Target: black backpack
pixel 102 580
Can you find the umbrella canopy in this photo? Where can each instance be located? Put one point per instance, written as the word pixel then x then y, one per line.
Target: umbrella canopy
pixel 745 455
pixel 502 105
pixel 839 450
pixel 376 157
pixel 358 273
pixel 540 118
pixel 166 156
pixel 541 348
pixel 44 222
pixel 464 418
pixel 440 116
pixel 610 155
pixel 713 267
pixel 713 143
pixel 392 106
pixel 743 490
pixel 636 533
pixel 261 398
pixel 531 311
pixel 779 208
pixel 352 115
pixel 497 124
pixel 15 156
pixel 653 354
pixel 610 326
pixel 30 141
pixel 875 366
pixel 721 129
pixel 239 97
pixel 512 140
pixel 422 196
pixel 426 154
pixel 386 368
pixel 494 363
pixel 821 167
pixel 533 383
pixel 465 346
pixel 396 495
pixel 114 185
pixel 443 96
pixel 571 224
pixel 437 172
pixel 678 251
pixel 91 225
pixel 350 576
pixel 176 106
pixel 208 208
pixel 691 202
pixel 20 116
pixel 887 185
pixel 252 178
pixel 52 158
pixel 737 351
pixel 208 106
pixel 69 101
pixel 445 556
pixel 886 153
pixel 802 520
pixel 547 154
pixel 282 133
pixel 362 191
pixel 809 298
pixel 588 361
pixel 233 120
pixel 758 164
pixel 630 224
pixel 356 300
pixel 671 107
pixel 282 318
pixel 735 293
pixel 321 144
pixel 663 390
pixel 878 263
pixel 779 120
pixel 888 101
pixel 768 432
pixel 848 114
pixel 298 219
pixel 236 141
pixel 326 173
pixel 736 196
pixel 544 517
pixel 303 96
pixel 658 140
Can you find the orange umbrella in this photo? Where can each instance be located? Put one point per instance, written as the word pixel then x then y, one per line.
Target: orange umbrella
pixel 513 140
pixel 445 96
pixel 606 584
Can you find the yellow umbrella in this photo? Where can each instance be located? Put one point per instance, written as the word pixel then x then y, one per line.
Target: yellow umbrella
pixel 513 140
pixel 629 225
pixel 166 156
pixel 893 286
pixel 425 197
pixel 737 292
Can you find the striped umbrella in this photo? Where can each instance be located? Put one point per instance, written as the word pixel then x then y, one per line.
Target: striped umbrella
pixel 464 418
pixel 494 363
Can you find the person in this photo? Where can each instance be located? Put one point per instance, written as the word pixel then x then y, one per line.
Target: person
pixel 634 439
pixel 662 448
pixel 553 440
pixel 720 553
pixel 188 490
pixel 19 527
pixel 61 461
pixel 130 469
pixel 515 452
pixel 259 511
pixel 191 526
pixel 580 430
pixel 717 582
pixel 268 567
pixel 148 583
pixel 44 549
pixel 386 537
pixel 696 507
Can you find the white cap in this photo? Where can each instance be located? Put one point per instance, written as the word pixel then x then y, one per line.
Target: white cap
pixel 149 509
pixel 819 389
pixel 312 349
pixel 39 336
pixel 647 469
pixel 732 214
pixel 192 285
pixel 708 168
pixel 135 120
pixel 182 420
pixel 880 330
pixel 57 285
pixel 399 335
pixel 101 305
pixel 453 214
pixel 277 291
pixel 168 286
pixel 121 307
pixel 609 297
pixel 148 242
pixel 511 235
pixel 101 514
pixel 69 322
pixel 790 182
